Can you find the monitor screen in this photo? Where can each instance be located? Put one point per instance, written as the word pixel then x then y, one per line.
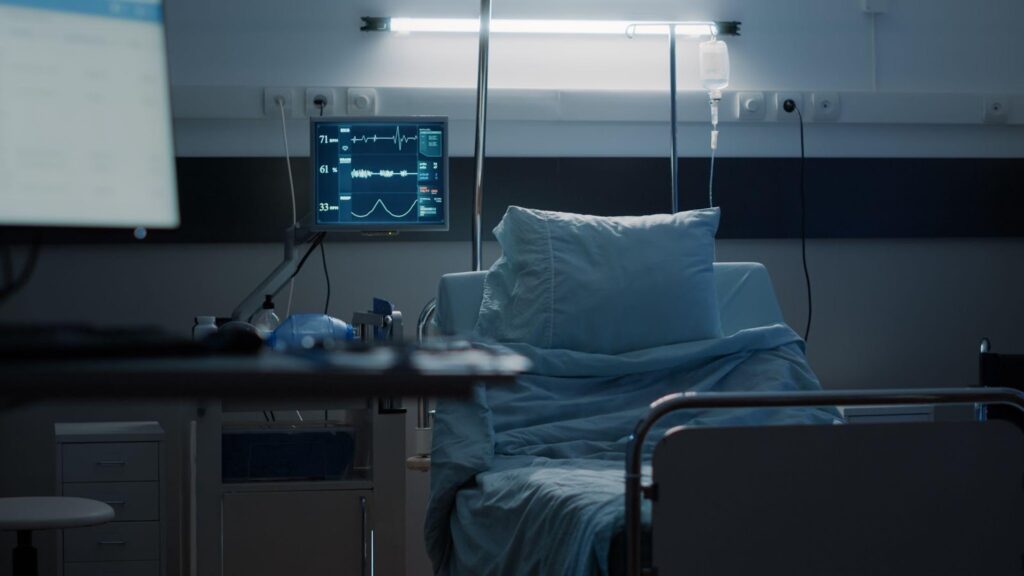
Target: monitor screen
pixel 85 116
pixel 380 174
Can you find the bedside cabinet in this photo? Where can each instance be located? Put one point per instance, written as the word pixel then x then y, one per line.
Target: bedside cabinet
pixel 120 463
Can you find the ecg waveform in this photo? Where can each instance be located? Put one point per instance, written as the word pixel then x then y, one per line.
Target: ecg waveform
pixel 397 138
pixel 362 173
pixel 381 203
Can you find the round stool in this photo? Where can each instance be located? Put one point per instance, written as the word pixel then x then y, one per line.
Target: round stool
pixel 44 513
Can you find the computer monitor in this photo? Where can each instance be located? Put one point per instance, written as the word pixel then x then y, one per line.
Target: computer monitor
pixel 380 174
pixel 85 116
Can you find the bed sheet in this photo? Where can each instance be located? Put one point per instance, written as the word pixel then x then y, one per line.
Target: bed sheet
pixel 529 478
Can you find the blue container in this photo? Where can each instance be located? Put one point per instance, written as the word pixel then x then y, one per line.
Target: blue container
pixel 308 331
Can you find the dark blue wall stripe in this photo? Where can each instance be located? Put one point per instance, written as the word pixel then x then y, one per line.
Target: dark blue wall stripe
pixel 246 199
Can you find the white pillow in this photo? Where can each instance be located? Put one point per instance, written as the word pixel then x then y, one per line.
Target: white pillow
pixel 602 284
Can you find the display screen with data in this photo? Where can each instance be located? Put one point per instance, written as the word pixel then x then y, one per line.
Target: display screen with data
pixel 380 174
pixel 85 116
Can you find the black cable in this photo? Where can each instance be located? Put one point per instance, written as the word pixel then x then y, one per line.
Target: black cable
pixel 803 227
pixel 327 277
pixel 312 246
pixel 18 281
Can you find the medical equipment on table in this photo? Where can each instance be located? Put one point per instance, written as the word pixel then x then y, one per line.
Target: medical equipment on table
pixel 383 322
pixel 380 173
pixel 308 331
pixel 203 327
pixel 374 176
pixel 266 320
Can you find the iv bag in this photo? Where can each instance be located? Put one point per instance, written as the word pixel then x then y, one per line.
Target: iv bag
pixel 714 65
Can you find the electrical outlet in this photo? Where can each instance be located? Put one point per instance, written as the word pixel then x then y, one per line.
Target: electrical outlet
pixel 320 101
pixel 362 102
pixel 750 106
pixel 782 115
pixel 271 96
pixel 997 108
pixel 826 106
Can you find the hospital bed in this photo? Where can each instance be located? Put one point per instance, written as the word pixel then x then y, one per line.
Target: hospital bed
pixel 890 498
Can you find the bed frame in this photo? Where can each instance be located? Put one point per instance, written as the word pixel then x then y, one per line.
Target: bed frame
pixel 908 498
pixel 911 498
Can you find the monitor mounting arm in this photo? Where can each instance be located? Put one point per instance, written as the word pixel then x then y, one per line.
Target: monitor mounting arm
pixel 294 236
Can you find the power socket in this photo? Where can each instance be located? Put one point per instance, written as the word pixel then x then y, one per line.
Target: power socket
pixel 271 97
pixel 782 115
pixel 826 106
pixel 316 96
pixel 362 102
pixel 997 108
pixel 750 106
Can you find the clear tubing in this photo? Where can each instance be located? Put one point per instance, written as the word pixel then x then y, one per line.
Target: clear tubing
pixel 291 185
pixel 714 149
pixel 711 182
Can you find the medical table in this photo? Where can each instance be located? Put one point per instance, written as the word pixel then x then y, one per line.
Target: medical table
pixel 209 388
pixel 265 375
pixel 785 498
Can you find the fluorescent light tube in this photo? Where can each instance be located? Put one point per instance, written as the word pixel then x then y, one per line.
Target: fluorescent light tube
pixel 509 26
pixel 435 25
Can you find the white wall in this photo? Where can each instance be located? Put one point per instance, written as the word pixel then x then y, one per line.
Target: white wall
pixel 224 53
pixel 923 45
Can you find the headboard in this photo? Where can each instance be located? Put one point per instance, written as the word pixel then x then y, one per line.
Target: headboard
pixel 745 298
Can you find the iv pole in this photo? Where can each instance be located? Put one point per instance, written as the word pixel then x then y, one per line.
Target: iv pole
pixel 674 168
pixel 481 133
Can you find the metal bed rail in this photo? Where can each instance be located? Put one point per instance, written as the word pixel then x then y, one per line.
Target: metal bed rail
pixel 424 415
pixel 710 400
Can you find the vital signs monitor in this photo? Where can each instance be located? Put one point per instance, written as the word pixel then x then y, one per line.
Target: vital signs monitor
pixel 380 174
pixel 85 115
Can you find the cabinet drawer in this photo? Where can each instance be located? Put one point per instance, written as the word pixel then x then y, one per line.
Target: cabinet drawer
pixel 110 462
pixel 131 501
pixel 285 533
pixel 115 542
pixel 151 568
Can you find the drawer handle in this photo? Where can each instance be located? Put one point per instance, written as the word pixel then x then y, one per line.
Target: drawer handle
pixel 114 502
pixel 111 463
pixel 111 542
